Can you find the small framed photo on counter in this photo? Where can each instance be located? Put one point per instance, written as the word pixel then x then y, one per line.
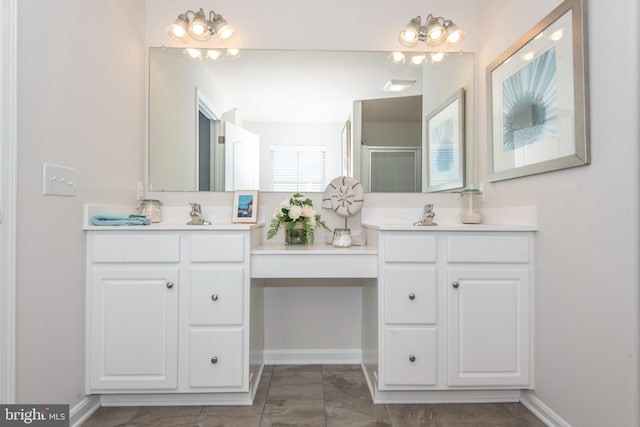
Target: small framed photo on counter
pixel 245 206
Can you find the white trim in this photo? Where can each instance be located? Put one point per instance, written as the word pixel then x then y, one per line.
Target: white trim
pixel 542 411
pixel 313 357
pixel 83 410
pixel 8 146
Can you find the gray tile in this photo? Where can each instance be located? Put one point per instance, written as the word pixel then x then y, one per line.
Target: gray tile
pixel 304 386
pixel 280 370
pixel 302 413
pixel 230 416
pixel 343 370
pixel 402 415
pixel 166 416
pixel 464 413
pixel 355 412
pixel 346 387
pixel 111 416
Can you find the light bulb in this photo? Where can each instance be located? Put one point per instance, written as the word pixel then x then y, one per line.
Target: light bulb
pixel 397 57
pixel 437 56
pixel 233 53
pixel 193 53
pixel 178 30
pixel 418 59
pixel 409 35
pixel 199 28
pixel 214 54
pixel 557 35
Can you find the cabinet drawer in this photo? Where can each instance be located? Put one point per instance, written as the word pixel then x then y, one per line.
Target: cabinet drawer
pixel 217 248
pixel 410 356
pixel 415 247
pixel 135 247
pixel 499 249
pixel 216 296
pixel 410 295
pixel 216 358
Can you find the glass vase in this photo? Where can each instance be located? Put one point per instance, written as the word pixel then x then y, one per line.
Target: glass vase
pixel 295 235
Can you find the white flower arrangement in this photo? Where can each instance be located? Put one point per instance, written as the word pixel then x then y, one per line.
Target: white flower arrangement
pixel 297 209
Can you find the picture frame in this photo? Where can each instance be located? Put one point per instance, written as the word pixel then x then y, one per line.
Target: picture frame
pixel 245 206
pixel 445 142
pixel 537 92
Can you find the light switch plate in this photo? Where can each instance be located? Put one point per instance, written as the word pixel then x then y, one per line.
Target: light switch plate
pixel 58 180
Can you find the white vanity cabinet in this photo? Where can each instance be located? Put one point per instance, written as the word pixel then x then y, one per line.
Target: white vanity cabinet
pixel 489 310
pixel 133 312
pixel 408 310
pixel 168 311
pixel 454 310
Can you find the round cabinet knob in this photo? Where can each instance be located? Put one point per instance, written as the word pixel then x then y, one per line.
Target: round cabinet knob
pixel 169 285
pixel 412 296
pixel 214 297
pixel 455 285
pixel 412 358
pixel 214 360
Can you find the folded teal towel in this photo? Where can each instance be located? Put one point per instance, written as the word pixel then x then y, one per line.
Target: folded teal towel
pixel 115 219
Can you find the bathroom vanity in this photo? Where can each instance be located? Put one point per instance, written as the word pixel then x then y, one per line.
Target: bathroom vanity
pixel 175 313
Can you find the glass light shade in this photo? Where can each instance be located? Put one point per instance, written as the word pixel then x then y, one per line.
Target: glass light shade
pixel 194 53
pixel 437 56
pixel 418 59
pixel 214 54
pixel 436 32
pixel 397 57
pixel 178 30
pixel 233 53
pixel 198 27
pixel 222 28
pixel 409 36
pixel 454 34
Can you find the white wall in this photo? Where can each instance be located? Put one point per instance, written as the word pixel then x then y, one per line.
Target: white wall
pixel 80 104
pixel 586 317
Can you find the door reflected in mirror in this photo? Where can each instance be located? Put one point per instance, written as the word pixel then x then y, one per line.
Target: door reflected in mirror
pixel 228 125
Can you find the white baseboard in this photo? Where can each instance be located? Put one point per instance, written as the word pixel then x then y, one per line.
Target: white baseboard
pixel 313 357
pixel 542 411
pixel 83 410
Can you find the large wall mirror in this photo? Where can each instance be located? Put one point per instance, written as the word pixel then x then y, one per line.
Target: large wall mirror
pixel 278 120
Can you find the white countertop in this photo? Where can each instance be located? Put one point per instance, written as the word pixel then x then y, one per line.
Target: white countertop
pixel 172 227
pixel 451 227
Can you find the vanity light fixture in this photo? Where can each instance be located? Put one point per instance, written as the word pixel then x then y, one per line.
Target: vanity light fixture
pixel 435 32
pixel 200 27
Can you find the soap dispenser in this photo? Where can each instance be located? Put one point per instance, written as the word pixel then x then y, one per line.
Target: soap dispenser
pixel 470 214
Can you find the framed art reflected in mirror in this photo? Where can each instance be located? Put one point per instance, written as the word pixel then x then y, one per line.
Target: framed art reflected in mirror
pixel 537 94
pixel 445 144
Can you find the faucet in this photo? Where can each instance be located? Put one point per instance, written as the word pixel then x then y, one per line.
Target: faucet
pixel 427 216
pixel 196 215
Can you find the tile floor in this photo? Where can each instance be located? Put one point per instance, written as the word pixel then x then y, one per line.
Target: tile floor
pixel 316 395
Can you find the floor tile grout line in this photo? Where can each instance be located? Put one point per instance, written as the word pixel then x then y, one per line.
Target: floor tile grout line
pixel 324 398
pixel 266 398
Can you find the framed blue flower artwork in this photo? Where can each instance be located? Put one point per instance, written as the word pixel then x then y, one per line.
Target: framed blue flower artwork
pixel 445 144
pixel 537 94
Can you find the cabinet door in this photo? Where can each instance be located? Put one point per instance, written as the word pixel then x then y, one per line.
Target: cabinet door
pixel 488 327
pixel 134 328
